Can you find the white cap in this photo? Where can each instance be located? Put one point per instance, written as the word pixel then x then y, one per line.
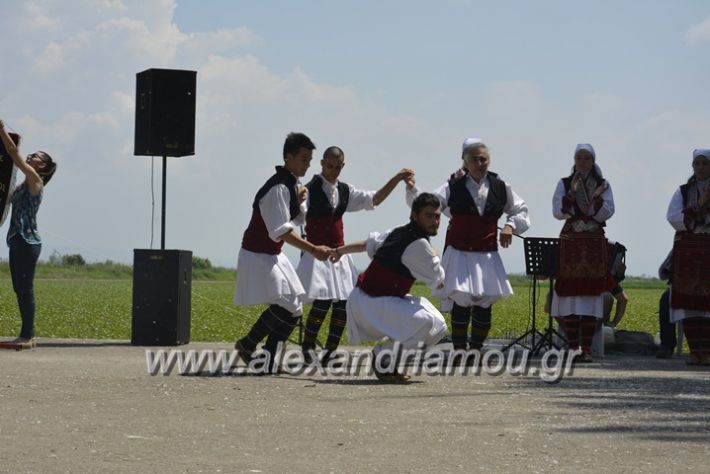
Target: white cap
pixel 468 142
pixel 585 146
pixel 701 152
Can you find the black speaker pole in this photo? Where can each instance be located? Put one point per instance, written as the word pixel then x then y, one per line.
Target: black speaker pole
pixel 162 218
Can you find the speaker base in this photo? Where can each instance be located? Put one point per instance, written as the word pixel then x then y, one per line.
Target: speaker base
pixel 162 297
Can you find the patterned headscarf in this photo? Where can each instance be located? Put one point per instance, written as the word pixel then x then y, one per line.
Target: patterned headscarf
pixel 585 196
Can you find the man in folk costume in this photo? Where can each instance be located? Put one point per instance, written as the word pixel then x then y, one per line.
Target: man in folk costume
pixel 328 282
pixel 584 200
pixel 475 199
pixel 265 275
pixel 380 306
pixel 689 214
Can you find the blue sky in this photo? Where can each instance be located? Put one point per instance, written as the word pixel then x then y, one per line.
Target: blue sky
pixel 394 83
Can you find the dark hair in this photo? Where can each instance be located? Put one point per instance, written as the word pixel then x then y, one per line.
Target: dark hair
pixel 334 151
pixel 296 141
pixel 51 166
pixel 425 200
pixel 15 137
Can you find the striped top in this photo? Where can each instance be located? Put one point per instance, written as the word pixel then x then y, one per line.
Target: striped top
pixel 24 215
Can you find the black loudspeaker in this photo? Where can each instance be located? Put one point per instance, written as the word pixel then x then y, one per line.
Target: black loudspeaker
pixel 162 296
pixel 165 112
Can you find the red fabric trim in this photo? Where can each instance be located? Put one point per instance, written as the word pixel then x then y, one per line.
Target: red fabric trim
pixel 583 264
pixel 256 237
pixel 325 230
pixel 568 204
pixel 691 272
pixel 378 280
pixel 472 233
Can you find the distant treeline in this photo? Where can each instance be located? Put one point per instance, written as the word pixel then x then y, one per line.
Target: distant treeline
pixel 75 266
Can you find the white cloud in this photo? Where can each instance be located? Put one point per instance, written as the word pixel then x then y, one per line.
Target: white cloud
pixel 80 108
pixel 51 58
pixel 699 33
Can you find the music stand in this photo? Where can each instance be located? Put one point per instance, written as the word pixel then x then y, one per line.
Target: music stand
pixel 540 261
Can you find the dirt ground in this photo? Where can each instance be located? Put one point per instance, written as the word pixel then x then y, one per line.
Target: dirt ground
pixel 91 406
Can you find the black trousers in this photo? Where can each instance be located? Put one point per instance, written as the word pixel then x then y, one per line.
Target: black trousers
pixel 667 328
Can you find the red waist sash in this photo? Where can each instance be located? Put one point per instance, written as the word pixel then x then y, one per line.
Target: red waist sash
pixel 690 288
pixel 472 233
pixel 378 280
pixel 583 264
pixel 256 237
pixel 325 230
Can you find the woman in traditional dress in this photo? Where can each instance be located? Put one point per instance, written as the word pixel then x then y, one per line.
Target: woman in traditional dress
pixel 585 202
pixel 689 214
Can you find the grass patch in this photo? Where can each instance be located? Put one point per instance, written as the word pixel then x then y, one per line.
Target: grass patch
pixel 100 308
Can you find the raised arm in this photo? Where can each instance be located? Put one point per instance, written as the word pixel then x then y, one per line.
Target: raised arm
pixel 442 193
pixel 34 181
pixel 403 175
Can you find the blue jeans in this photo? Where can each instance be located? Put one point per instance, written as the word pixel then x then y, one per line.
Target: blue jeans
pixel 23 260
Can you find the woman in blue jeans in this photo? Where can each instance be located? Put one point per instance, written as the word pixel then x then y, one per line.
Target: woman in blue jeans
pixel 22 237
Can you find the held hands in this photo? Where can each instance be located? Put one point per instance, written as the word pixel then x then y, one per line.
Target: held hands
pixel 410 181
pixel 321 252
pixel 334 255
pixel 404 174
pixel 506 236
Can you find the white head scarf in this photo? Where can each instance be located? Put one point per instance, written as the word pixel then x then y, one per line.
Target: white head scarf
pixel 586 146
pixel 590 149
pixel 585 196
pixel 469 142
pixel 701 152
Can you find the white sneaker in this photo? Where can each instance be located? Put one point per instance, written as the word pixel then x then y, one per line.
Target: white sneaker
pixel 25 343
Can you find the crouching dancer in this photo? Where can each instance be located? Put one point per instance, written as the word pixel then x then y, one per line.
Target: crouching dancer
pixel 265 275
pixel 380 306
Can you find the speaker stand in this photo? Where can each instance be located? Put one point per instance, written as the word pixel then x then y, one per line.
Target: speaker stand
pixel 162 217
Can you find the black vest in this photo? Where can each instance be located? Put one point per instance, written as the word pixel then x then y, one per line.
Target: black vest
pixel 461 201
pixel 319 205
pixel 285 177
pixel 390 253
pixel 684 190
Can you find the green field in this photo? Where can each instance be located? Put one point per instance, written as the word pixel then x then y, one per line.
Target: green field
pixel 100 308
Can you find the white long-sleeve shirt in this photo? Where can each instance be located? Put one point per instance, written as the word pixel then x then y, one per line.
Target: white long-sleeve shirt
pixel 274 207
pixel 604 213
pixel 358 200
pixel 419 257
pixel 515 209
pixel 675 215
